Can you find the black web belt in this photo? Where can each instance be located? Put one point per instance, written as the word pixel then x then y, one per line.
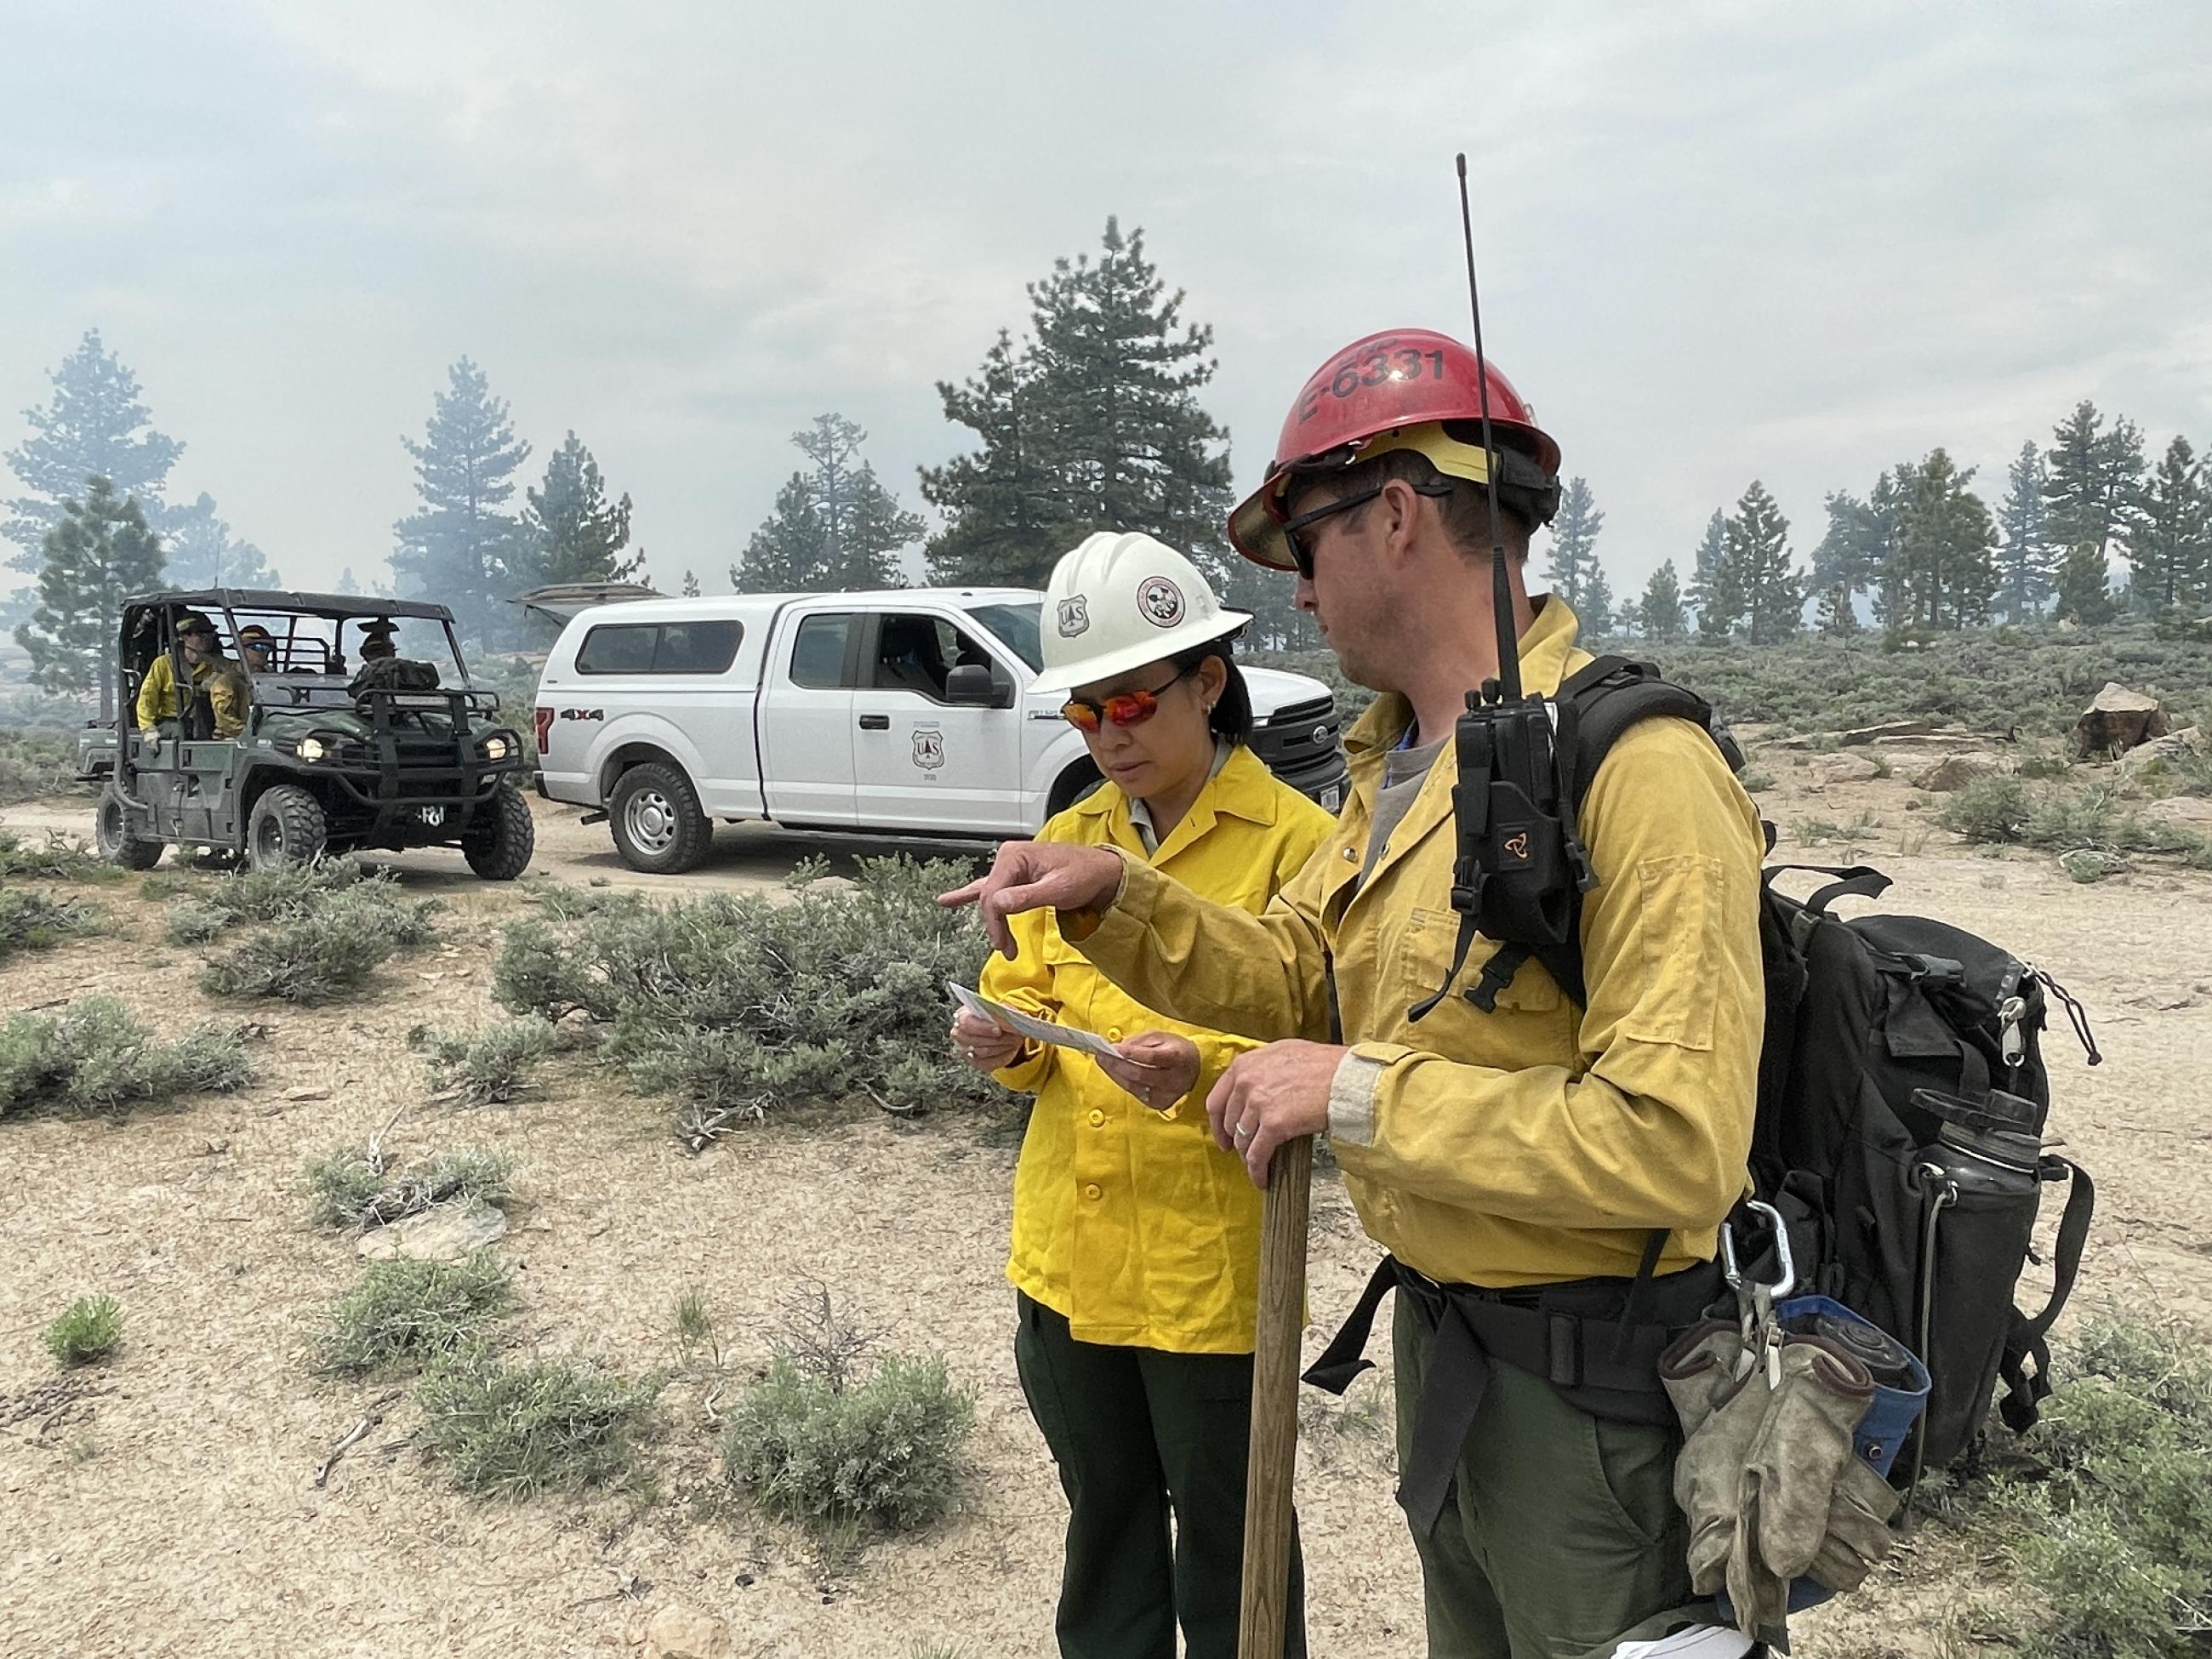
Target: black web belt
pixel 1607 1366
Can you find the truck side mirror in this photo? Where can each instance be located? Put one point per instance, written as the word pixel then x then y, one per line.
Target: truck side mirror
pixel 971 686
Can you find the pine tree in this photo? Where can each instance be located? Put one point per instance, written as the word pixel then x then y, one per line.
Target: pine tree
pixel 572 531
pixel 200 553
pixel 1715 593
pixel 2093 490
pixel 790 553
pixel 1944 562
pixel 458 547
pixel 1891 579
pixel 1851 556
pixel 690 586
pixel 346 583
pixel 1004 520
pixel 2085 593
pixel 2170 543
pixel 864 527
pixel 1759 552
pixel 1596 614
pixel 1573 569
pixel 99 554
pixel 1093 424
pixel 92 428
pixel 1836 614
pixel 2024 557
pixel 1659 613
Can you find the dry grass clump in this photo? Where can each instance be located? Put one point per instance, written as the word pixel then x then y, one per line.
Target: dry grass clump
pixel 403 1313
pixel 2006 810
pixel 88 1330
pixel 739 1005
pixel 516 1430
pixel 840 1451
pixel 95 1057
pixel 36 764
pixel 355 1188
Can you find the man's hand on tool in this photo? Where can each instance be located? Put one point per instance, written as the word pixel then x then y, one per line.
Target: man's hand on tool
pixel 1031 875
pixel 1270 1096
pixel 1158 1067
pixel 985 1044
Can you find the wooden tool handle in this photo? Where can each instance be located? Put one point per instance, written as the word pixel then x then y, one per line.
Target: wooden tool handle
pixel 1273 1473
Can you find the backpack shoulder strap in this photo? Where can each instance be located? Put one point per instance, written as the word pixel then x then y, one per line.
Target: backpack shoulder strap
pixel 1595 706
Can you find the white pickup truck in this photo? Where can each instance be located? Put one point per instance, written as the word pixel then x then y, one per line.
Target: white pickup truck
pixel 901 712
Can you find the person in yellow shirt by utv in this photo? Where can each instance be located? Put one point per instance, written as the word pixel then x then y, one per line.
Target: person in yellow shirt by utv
pixel 1135 1256
pixel 161 705
pixel 1548 1163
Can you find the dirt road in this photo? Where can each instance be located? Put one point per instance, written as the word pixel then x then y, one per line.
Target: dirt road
pixel 174 1512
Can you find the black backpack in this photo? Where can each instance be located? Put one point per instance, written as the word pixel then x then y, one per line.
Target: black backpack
pixel 1901 1102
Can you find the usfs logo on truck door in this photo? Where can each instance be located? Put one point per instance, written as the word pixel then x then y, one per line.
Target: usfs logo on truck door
pixel 928 748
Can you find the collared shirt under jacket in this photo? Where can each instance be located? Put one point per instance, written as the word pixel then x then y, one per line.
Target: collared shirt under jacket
pixel 1540 1141
pixel 1130 1222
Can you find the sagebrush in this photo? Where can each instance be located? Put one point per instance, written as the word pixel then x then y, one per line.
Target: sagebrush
pixel 403 1313
pixel 356 1188
pixel 2102 1515
pixel 53 857
pixel 2096 817
pixel 87 1330
pixel 320 931
pixel 514 1431
pixel 740 1006
pixel 492 1065
pixel 36 763
pixel 32 921
pixel 839 1451
pixel 95 1057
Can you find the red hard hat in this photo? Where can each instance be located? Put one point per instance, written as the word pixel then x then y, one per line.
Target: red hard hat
pixel 1405 388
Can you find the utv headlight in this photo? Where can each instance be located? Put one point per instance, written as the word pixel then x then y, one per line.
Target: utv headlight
pixel 497 748
pixel 310 750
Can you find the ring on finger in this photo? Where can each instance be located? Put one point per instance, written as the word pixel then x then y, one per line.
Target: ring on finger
pixel 1243 1132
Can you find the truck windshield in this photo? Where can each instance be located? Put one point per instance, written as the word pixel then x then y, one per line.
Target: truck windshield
pixel 1017 626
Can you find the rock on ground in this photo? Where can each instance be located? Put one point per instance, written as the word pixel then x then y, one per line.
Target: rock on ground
pixel 1845 769
pixel 2188 812
pixel 1955 772
pixel 444 1232
pixel 676 1632
pixel 2187 743
pixel 2118 720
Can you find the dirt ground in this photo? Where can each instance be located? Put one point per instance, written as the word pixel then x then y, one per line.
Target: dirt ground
pixel 169 1507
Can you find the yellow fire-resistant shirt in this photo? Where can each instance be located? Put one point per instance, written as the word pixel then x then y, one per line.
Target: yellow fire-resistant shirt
pixel 1540 1141
pixel 1130 1222
pixel 228 692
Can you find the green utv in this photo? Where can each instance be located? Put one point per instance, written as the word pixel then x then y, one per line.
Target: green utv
pixel 281 748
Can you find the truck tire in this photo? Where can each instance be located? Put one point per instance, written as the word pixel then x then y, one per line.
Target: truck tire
pixel 286 826
pixel 657 823
pixel 110 833
pixel 1071 787
pixel 501 840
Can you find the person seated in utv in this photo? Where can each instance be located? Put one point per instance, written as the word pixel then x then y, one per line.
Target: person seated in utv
pixel 255 647
pixel 161 702
pixel 381 665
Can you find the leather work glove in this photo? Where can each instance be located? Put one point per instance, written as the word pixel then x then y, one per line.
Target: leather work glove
pixel 151 744
pixel 1859 1537
pixel 1721 1416
pixel 1801 1450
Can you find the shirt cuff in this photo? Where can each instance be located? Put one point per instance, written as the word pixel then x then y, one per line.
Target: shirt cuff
pixel 1352 1093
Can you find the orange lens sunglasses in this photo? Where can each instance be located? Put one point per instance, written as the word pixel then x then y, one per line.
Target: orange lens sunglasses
pixel 1123 708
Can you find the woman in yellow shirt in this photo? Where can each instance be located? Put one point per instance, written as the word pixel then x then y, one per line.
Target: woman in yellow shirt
pixel 1135 1239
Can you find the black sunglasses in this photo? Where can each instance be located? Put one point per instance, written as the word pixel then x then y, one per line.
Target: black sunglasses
pixel 1302 557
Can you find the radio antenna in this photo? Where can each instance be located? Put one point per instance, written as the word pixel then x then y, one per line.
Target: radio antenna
pixel 1501 583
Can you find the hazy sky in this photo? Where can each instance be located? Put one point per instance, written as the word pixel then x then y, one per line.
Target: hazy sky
pixel 1719 241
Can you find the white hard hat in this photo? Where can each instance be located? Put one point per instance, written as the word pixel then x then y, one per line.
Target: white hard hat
pixel 1120 601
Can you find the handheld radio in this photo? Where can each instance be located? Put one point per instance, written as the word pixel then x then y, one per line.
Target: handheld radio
pixel 1520 865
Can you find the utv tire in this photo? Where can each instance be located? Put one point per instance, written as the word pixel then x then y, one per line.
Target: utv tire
pixel 501 837
pixel 286 826
pixel 110 833
pixel 657 823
